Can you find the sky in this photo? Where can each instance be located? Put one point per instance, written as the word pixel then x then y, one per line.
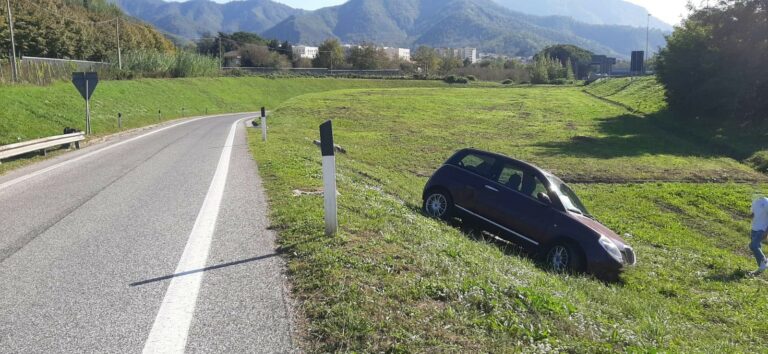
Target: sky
pixel 670 11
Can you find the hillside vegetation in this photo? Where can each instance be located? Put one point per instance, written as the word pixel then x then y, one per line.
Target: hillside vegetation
pixel 66 29
pixel 394 280
pixel 31 112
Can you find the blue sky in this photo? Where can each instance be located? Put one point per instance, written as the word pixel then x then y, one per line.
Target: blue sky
pixel 670 11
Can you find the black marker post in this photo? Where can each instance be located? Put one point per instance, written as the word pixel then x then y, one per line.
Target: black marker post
pixel 329 177
pixel 263 124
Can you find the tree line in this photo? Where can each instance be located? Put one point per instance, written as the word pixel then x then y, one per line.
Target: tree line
pixel 714 64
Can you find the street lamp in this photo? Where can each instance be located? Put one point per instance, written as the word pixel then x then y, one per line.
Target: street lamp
pixel 647 37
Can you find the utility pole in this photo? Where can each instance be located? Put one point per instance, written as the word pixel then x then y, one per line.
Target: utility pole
pixel 14 69
pixel 647 37
pixel 119 53
pixel 221 55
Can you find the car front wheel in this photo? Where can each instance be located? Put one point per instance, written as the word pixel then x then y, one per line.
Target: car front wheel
pixel 438 204
pixel 564 257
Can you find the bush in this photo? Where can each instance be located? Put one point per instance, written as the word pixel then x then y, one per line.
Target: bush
pixel 471 78
pixel 453 79
pixel 507 82
pixel 151 63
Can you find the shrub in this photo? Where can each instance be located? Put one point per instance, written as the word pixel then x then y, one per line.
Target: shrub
pixel 453 79
pixel 507 82
pixel 471 78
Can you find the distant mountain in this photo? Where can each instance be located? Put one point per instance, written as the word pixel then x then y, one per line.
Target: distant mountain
pixel 454 23
pixel 195 18
pixel 600 12
pixel 405 23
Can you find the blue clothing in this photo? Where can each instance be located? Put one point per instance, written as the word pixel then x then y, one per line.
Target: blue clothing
pixel 755 246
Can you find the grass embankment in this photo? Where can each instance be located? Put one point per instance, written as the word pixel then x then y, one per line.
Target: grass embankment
pixel 30 112
pixel 743 140
pixel 394 280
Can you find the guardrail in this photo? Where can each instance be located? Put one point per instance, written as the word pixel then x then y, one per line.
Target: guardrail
pixel 17 149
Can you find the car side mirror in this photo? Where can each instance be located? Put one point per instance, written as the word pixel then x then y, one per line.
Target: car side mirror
pixel 544 198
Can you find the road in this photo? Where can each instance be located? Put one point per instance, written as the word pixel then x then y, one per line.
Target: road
pixel 156 241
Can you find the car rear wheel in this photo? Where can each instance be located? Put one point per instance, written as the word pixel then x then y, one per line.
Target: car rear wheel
pixel 564 258
pixel 438 204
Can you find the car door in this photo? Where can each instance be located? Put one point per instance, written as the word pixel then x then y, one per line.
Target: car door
pixel 510 202
pixel 475 170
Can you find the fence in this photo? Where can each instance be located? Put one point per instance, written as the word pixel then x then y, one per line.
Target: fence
pixel 318 71
pixel 44 71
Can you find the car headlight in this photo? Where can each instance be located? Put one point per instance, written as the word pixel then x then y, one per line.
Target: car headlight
pixel 611 248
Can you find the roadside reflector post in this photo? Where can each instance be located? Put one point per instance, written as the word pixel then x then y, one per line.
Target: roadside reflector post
pixel 119 120
pixel 329 178
pixel 263 124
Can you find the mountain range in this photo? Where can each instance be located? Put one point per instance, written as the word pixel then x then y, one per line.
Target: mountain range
pixel 598 12
pixel 484 24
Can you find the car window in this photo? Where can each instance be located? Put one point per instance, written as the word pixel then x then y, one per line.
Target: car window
pixel 521 181
pixel 480 164
pixel 511 176
pixel 532 185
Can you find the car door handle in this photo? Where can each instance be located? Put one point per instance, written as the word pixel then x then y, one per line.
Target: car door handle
pixel 491 188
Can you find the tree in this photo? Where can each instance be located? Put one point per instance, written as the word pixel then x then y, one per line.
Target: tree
pixel 580 58
pixel 713 65
pixel 569 69
pixel 540 71
pixel 331 55
pixel 368 57
pixel 427 59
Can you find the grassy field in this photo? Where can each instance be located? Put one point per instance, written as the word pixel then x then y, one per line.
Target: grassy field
pixel 394 280
pixel 30 112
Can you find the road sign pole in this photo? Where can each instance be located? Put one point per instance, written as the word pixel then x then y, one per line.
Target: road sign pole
pixel 329 178
pixel 87 109
pixel 86 82
pixel 263 124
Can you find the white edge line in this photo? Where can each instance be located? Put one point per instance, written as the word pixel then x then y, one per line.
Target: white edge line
pixel 171 327
pixel 81 157
pixel 497 225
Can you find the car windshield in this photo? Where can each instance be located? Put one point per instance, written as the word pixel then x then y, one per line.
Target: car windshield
pixel 569 199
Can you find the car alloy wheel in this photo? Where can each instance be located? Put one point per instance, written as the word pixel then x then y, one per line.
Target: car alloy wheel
pixel 559 258
pixel 437 205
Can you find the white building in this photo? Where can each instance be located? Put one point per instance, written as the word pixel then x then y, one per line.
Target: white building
pixel 468 53
pixel 398 53
pixel 461 53
pixel 302 51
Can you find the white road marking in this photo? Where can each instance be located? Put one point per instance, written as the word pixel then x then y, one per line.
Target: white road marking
pixel 171 327
pixel 64 163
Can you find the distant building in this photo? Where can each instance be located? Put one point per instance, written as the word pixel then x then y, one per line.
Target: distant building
pixel 398 53
pixel 302 51
pixel 466 53
pixel 603 63
pixel 232 59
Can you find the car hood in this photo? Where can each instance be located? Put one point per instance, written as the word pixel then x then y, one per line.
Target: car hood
pixel 599 228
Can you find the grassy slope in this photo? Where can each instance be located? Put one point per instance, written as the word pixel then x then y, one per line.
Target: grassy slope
pixel 30 112
pixel 644 94
pixel 741 140
pixel 395 280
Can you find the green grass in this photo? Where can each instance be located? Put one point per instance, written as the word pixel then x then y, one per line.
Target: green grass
pixel 642 94
pixel 394 280
pixel 743 140
pixel 30 112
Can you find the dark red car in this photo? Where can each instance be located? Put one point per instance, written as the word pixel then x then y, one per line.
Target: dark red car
pixel 528 206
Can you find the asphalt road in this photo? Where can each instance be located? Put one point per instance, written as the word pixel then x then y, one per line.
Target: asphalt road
pixel 155 241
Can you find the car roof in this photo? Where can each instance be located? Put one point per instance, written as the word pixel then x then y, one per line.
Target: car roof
pixel 505 157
